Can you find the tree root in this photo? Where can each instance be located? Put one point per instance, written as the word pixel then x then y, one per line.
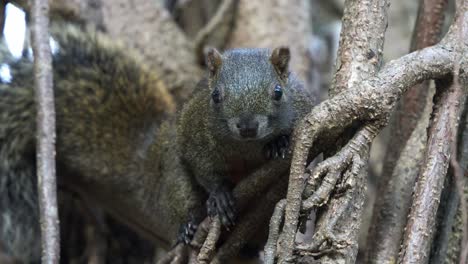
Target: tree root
pixel 338 174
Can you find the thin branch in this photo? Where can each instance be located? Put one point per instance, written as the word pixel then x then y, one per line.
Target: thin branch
pixel 176 255
pixel 209 246
pixel 276 221
pixel 47 183
pixel 330 170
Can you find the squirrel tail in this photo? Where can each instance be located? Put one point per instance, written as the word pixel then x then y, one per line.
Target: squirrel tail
pixel 19 225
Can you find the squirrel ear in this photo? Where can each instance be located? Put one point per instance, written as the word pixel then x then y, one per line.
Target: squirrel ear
pixel 280 60
pixel 213 60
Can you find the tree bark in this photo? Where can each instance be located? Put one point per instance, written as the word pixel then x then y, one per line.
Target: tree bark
pixel 47 184
pixel 406 148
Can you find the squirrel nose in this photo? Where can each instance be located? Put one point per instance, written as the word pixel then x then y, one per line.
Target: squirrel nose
pixel 248 128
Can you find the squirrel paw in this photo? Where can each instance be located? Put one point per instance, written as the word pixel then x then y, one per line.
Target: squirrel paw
pixel 221 202
pixel 186 232
pixel 276 148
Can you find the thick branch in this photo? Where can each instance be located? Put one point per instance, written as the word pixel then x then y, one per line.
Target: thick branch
pixel 47 183
pixel 420 227
pixel 359 57
pixel 406 147
pixel 361 43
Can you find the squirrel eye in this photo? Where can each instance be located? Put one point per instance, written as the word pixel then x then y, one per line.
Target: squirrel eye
pixel 216 96
pixel 278 92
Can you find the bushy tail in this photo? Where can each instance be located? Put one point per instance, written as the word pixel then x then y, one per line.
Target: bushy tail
pixel 19 225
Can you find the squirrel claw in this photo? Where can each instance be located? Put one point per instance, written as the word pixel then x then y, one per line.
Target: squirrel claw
pixel 186 232
pixel 221 202
pixel 278 147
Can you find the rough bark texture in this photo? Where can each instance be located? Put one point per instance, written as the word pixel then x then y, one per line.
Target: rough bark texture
pixel 361 43
pixel 47 183
pixel 421 221
pixel 373 99
pixel 385 237
pixel 406 148
pixel 359 57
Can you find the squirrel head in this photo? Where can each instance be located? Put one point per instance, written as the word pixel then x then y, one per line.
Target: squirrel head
pixel 250 95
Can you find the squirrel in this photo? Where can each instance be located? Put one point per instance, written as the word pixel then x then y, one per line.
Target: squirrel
pixel 239 117
pixel 116 125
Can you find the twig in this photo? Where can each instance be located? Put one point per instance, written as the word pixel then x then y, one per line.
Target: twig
pixel 275 223
pixel 330 170
pixel 47 183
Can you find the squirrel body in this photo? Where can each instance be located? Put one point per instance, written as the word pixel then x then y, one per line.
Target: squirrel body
pixel 238 118
pixel 120 145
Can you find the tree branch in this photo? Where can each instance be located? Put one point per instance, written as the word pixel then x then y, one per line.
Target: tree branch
pixel 360 51
pixel 420 226
pixel 406 147
pixel 359 57
pixel 47 183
